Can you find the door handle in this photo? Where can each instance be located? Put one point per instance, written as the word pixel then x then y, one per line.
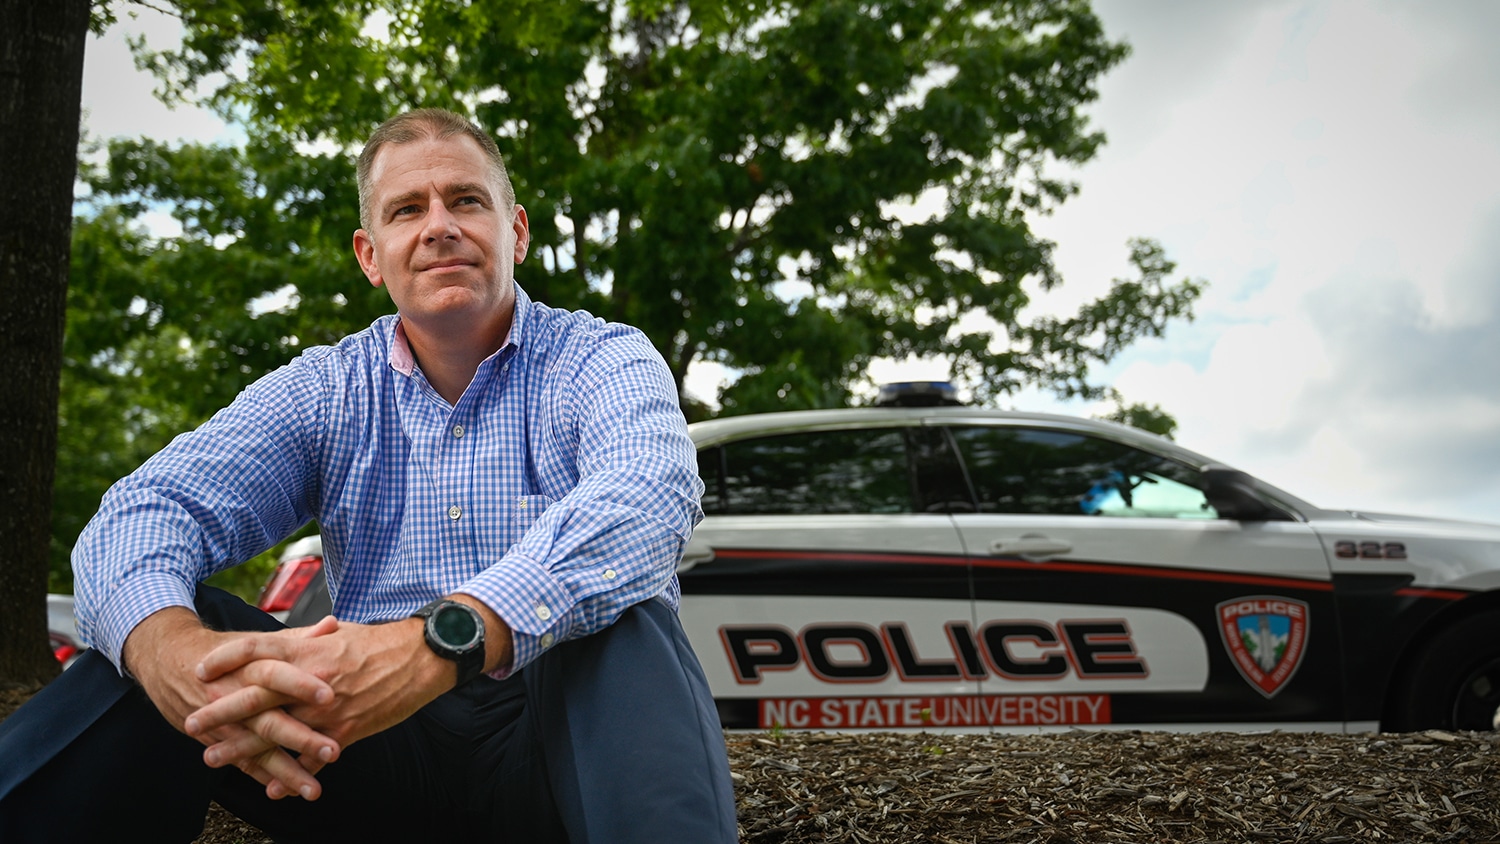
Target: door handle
pixel 1032 546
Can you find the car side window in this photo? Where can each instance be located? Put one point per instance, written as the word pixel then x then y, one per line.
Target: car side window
pixel 1035 471
pixel 821 472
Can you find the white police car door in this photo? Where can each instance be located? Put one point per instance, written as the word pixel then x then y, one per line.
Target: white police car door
pixel 1108 591
pixel 817 592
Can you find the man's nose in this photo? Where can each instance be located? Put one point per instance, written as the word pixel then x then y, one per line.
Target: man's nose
pixel 441 224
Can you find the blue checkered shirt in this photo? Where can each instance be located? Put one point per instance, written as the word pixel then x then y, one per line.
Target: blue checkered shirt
pixel 560 490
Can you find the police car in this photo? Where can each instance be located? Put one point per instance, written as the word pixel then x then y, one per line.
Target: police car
pixel 950 567
pixel 939 567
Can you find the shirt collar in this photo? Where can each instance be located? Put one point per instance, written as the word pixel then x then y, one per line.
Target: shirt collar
pixel 403 361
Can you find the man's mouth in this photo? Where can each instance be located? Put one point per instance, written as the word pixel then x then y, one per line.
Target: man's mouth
pixel 447 264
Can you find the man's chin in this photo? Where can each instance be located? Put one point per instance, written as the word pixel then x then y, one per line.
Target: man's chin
pixel 453 307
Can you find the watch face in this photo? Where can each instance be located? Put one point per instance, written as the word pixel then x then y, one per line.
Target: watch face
pixel 455 626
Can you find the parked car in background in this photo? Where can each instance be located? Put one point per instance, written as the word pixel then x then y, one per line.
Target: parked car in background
pixel 61 629
pixel 927 566
pixel 297 592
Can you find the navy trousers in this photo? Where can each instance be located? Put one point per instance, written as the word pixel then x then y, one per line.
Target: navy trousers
pixel 609 738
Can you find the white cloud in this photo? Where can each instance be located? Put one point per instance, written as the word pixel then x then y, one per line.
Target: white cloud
pixel 1333 170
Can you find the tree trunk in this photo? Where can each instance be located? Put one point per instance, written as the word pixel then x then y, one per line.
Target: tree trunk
pixel 41 86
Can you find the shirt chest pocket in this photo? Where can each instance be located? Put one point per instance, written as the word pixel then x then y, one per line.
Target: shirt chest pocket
pixel 525 510
pixel 518 513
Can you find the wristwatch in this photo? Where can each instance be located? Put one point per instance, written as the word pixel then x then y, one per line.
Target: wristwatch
pixel 455 631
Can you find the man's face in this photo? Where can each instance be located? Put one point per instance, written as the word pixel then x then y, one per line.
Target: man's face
pixel 440 239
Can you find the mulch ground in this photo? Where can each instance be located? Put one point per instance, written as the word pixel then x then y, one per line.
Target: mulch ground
pixel 1128 786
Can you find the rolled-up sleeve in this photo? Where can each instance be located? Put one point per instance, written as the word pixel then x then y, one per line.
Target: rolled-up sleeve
pixel 615 538
pixel 211 499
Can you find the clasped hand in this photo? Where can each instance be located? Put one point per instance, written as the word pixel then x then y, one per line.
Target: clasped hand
pixel 312 691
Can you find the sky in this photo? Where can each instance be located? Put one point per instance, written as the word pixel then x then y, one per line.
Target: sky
pixel 1331 168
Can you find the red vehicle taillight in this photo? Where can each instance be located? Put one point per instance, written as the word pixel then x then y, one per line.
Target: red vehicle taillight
pixel 288 584
pixel 62 648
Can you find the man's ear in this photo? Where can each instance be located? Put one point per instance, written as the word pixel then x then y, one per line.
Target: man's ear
pixel 364 252
pixel 523 233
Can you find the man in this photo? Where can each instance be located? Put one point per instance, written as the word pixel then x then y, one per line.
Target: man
pixel 503 491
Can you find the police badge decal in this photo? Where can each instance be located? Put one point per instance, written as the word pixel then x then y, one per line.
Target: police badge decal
pixel 1266 636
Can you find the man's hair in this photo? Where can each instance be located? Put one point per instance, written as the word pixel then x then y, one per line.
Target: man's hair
pixel 435 123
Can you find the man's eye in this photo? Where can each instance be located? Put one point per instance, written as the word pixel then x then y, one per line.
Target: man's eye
pixel 468 200
pixel 405 210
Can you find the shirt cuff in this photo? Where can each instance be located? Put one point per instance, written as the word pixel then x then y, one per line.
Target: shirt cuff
pixel 141 596
pixel 537 608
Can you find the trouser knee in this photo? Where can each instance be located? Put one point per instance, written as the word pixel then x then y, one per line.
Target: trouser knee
pixel 633 742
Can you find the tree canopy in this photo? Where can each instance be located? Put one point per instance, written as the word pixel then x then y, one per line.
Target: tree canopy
pixel 789 189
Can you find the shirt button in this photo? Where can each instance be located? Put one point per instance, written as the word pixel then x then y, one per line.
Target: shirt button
pixel 521 503
pixel 542 612
pixel 609 574
pixel 458 430
pixel 547 640
pixel 454 512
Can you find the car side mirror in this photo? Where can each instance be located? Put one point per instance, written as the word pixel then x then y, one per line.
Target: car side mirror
pixel 1232 494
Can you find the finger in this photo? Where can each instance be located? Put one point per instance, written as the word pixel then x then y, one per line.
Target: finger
pixel 270 762
pixel 241 651
pixel 276 789
pixel 274 768
pixel 273 729
pixel 252 746
pixel 232 708
pixel 269 684
pixel 313 765
pixel 288 776
pixel 234 732
pixel 257 773
pixel 288 680
pixel 325 625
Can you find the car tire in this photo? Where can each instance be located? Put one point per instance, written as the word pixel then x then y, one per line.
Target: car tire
pixel 1454 682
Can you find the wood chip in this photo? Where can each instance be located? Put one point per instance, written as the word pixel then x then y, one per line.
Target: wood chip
pixel 886 788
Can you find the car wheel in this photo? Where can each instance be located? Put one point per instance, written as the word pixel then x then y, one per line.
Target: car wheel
pixel 1454 683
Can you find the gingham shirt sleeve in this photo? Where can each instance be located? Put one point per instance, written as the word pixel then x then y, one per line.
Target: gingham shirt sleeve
pixel 615 539
pixel 211 499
